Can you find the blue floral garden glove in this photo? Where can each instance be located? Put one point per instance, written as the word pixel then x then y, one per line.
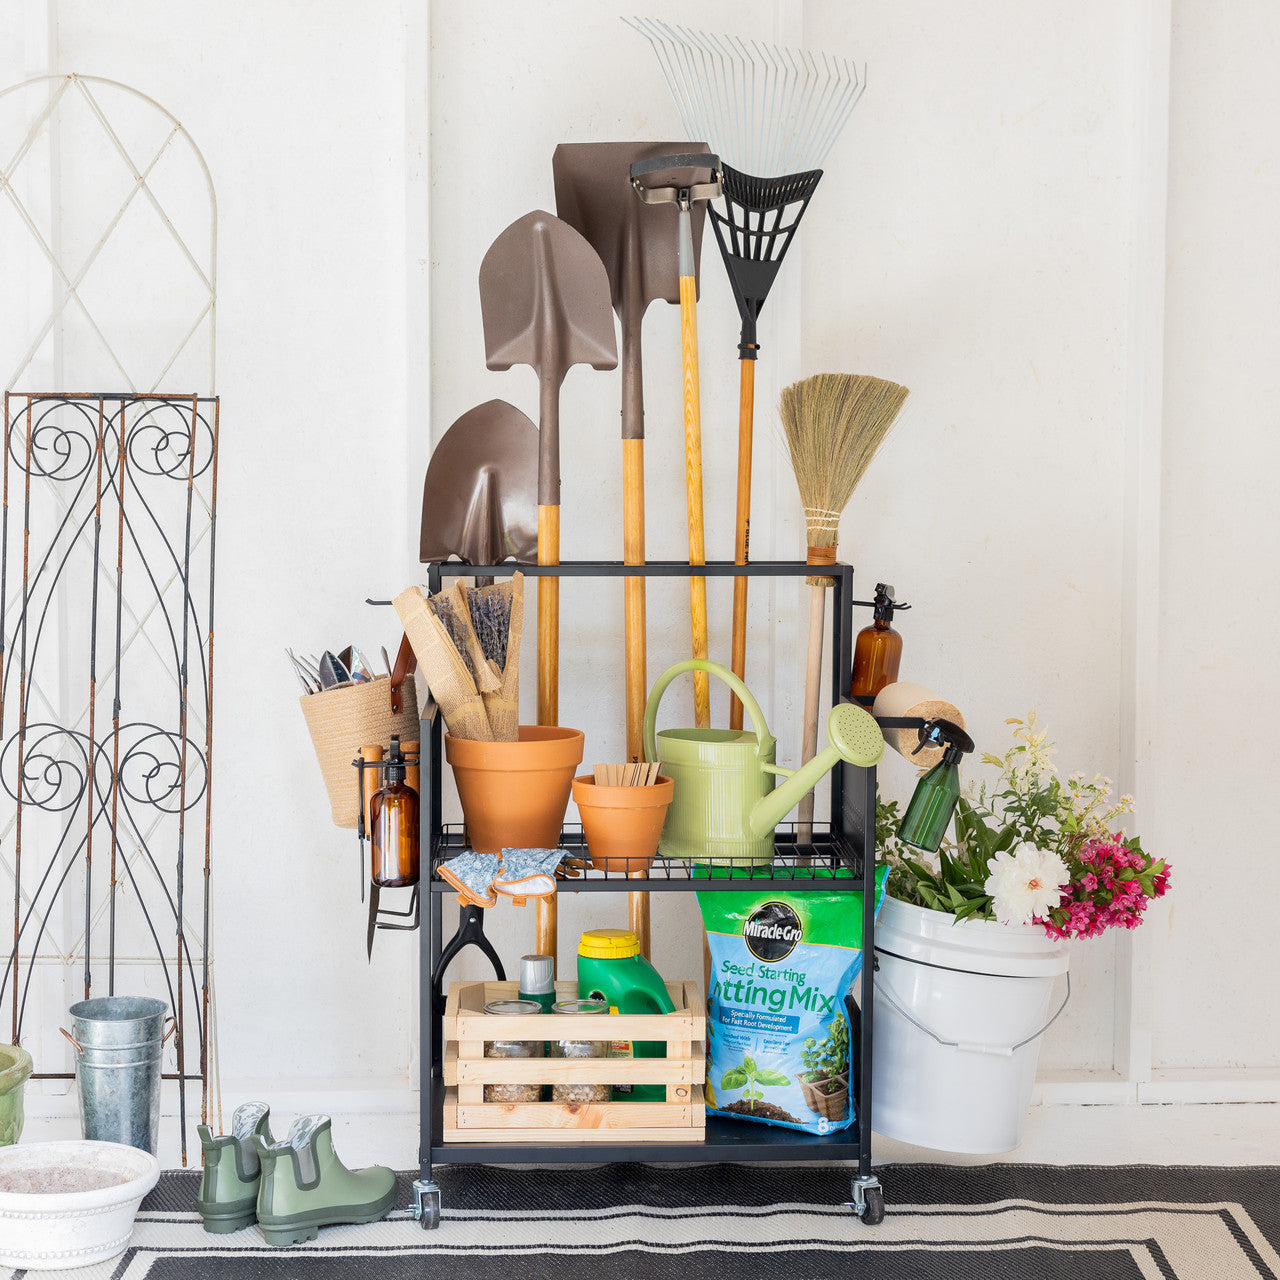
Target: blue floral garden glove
pixel 472 874
pixel 528 873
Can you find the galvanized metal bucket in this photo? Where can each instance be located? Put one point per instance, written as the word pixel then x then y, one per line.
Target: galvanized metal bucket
pixel 118 1042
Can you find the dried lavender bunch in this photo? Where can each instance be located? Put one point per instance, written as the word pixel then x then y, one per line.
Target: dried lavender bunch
pixel 491 617
pixel 442 606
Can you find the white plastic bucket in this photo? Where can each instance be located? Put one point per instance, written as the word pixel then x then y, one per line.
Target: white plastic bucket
pixel 960 1008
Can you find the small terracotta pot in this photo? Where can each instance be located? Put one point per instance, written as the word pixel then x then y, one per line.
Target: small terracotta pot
pixel 514 794
pixel 622 824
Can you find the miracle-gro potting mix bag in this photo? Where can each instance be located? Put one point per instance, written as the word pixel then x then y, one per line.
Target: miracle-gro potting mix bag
pixel 777 1027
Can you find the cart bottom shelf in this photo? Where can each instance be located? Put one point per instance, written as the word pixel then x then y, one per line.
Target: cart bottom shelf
pixel 729 1140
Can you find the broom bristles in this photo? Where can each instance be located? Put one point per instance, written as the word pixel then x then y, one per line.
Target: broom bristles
pixel 834 423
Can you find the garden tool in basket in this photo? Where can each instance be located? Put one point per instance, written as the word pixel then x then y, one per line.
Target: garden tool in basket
pixel 684 198
pixel 773 114
pixel 544 302
pixel 639 252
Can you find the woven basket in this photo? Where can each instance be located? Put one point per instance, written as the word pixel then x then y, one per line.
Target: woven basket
pixel 343 719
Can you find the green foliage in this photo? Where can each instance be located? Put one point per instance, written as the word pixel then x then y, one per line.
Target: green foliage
pixel 750 1079
pixel 955 884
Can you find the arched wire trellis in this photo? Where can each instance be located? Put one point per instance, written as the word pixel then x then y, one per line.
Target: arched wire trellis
pixel 139 166
pixel 106 658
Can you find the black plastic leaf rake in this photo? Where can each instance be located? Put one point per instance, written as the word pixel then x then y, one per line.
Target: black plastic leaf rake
pixel 772 114
pixel 754 232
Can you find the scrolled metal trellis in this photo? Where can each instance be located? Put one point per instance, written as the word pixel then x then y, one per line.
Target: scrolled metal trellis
pixel 108 540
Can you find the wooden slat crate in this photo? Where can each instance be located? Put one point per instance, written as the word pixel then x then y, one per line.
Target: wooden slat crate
pixel 468 1118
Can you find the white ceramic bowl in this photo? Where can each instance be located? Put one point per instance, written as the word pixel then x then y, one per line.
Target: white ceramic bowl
pixel 68 1204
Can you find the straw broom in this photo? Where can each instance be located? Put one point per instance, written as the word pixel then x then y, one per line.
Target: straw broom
pixel 834 423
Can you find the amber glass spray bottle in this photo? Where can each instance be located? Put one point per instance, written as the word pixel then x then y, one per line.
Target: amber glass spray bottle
pixel 393 825
pixel 878 650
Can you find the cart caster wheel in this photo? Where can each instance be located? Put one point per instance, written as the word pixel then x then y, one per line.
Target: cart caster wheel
pixel 872 1214
pixel 426 1205
pixel 868 1201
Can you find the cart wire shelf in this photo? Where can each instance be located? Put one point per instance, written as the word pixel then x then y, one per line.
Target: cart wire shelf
pixel 794 864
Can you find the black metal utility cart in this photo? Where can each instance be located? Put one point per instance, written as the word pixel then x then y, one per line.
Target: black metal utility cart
pixel 846 841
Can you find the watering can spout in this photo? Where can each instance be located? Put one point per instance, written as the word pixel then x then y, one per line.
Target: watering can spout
pixel 852 735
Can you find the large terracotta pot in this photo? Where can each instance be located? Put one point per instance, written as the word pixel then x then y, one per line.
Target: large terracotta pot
pixel 514 794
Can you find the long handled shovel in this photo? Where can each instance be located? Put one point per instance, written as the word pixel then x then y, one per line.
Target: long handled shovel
pixel 634 241
pixel 684 198
pixel 544 302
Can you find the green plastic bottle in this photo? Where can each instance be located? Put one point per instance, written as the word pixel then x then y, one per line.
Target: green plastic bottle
pixel 611 968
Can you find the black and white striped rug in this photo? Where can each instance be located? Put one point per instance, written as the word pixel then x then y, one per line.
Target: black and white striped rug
pixel 735 1222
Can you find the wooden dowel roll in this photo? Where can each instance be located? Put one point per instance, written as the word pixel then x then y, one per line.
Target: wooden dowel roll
pixel 903 698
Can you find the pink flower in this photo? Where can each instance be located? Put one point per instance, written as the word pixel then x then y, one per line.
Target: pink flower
pixel 1096 897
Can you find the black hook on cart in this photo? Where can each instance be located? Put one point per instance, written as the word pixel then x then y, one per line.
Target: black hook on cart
pixel 470 933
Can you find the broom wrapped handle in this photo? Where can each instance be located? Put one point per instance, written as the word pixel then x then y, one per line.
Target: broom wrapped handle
pixel 812 694
pixel 813 680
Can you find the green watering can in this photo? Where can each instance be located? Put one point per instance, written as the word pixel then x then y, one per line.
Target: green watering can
pixel 725 804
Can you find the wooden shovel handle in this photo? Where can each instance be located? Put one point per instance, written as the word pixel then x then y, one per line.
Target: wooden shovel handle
pixel 635 655
pixel 638 916
pixel 742 545
pixel 693 494
pixel 545 929
pixel 548 680
pixel 548 618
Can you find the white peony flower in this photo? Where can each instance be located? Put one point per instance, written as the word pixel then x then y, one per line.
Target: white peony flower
pixel 1025 882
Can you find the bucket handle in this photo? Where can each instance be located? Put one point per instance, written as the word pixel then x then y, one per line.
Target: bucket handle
pixel 745 696
pixel 173 1026
pixel 965 1046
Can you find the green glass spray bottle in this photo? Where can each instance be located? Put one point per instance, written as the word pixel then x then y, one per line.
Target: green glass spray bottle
pixel 934 800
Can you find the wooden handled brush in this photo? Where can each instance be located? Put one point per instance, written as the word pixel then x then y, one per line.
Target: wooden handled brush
pixel 834 423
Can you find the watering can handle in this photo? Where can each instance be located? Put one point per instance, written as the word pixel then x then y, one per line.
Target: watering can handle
pixel 173 1026
pixel 74 1041
pixel 763 737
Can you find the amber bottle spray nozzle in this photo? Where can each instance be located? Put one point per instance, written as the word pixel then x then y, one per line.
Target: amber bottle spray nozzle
pixel 934 801
pixel 877 653
pixel 393 825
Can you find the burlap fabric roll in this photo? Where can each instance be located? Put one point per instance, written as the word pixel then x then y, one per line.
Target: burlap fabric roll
pixel 444 669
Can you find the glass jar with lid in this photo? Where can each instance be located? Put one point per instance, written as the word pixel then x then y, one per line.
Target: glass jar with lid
pixel 508 1048
pixel 579 1048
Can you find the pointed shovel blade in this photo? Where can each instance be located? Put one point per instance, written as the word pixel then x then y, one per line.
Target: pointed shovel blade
pixel 544 300
pixel 480 497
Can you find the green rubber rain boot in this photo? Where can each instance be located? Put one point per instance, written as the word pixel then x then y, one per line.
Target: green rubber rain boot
pixel 228 1198
pixel 305 1186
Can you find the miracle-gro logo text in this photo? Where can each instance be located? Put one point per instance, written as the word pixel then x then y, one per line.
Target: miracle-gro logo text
pixel 772 932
